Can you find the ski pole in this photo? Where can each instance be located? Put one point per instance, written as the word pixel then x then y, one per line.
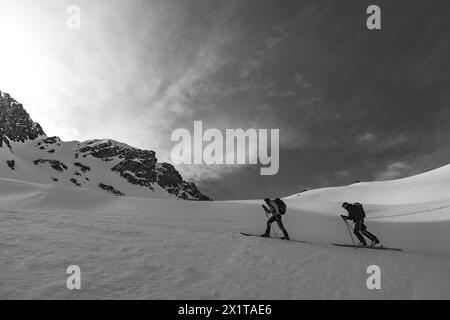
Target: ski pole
pixel 348 228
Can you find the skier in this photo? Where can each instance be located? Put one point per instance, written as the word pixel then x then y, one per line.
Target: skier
pixel 276 208
pixel 357 214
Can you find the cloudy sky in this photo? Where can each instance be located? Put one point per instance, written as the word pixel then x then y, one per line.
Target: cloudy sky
pixel 351 104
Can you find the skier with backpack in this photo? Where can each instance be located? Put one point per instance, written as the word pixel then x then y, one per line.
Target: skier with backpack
pixel 275 208
pixel 357 214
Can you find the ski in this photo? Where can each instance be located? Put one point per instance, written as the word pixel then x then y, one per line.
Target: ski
pixel 277 238
pixel 367 247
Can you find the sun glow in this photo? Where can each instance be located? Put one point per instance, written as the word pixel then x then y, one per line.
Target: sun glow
pixel 28 71
pixel 22 64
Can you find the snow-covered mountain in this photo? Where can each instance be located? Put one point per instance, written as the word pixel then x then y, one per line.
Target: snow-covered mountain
pixel 57 209
pixel 27 154
pixel 144 248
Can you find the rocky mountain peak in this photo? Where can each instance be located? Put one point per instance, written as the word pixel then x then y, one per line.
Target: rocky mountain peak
pixel 15 123
pixel 123 163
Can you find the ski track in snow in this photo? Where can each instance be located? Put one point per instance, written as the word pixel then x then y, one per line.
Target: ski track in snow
pixel 141 248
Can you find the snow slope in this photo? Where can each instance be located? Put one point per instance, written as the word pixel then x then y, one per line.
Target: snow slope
pixel 426 187
pixel 130 247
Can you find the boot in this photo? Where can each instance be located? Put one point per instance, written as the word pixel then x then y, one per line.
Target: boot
pixel 267 233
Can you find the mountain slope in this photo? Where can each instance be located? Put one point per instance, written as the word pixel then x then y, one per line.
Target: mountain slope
pixel 425 187
pixel 27 154
pixel 141 248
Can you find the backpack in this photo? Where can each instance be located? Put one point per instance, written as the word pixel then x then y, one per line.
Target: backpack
pixel 281 206
pixel 358 211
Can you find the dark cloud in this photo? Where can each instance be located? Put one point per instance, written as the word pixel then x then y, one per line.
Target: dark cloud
pixel 351 104
pixel 365 104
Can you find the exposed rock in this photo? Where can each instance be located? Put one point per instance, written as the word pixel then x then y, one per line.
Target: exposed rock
pixel 55 164
pixel 109 149
pixel 52 140
pixel 170 179
pixel 11 164
pixel 141 167
pixel 4 141
pixel 75 182
pixel 110 189
pixel 15 123
pixel 82 167
pixel 136 172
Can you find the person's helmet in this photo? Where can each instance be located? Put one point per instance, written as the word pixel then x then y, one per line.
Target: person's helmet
pixel 345 205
